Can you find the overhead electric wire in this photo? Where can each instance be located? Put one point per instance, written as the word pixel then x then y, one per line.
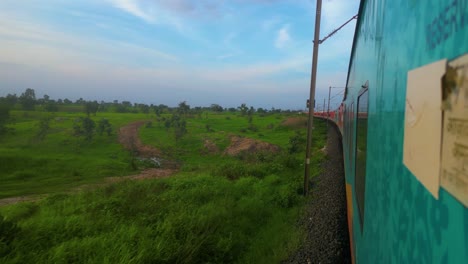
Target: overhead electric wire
pixel 336 30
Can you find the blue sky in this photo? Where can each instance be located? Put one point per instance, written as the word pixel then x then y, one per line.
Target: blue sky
pixel 227 52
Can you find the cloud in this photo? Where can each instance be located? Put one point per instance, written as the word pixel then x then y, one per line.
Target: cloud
pixel 269 23
pixel 336 12
pixel 255 71
pixel 133 7
pixel 202 51
pixel 180 6
pixel 44 47
pixel 282 38
pixel 226 56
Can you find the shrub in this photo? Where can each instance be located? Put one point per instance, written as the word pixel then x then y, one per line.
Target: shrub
pixel 104 126
pixel 296 143
pixel 44 127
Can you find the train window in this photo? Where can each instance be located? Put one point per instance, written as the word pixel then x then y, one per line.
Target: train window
pixel 350 134
pixel 361 150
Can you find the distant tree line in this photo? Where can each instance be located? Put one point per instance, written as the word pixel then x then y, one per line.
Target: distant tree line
pixel 28 101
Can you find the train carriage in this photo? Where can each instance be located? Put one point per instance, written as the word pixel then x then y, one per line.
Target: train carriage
pixel 402 208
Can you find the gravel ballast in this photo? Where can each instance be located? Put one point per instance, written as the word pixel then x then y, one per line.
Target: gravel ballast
pixel 325 217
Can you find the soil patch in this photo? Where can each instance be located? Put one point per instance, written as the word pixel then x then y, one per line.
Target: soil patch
pixel 241 144
pixel 13 200
pixel 128 137
pixel 209 147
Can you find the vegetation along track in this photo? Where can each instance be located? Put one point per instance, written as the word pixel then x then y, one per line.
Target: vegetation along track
pixel 325 220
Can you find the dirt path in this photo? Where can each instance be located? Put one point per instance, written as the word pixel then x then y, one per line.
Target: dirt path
pixel 128 137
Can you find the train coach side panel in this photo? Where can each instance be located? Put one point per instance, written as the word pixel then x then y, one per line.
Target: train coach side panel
pixel 401 221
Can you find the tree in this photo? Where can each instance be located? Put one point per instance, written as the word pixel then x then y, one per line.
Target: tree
pixel 88 128
pixel 183 108
pixel 243 109
pixel 84 127
pixel 180 127
pixel 216 108
pixel 51 106
pixel 104 126
pixel 4 117
pixel 28 99
pixel 91 107
pixel 144 108
pixel 127 104
pixel 157 110
pixel 251 111
pixel 102 106
pixel 167 124
pixel 44 127
pixel 77 130
pixel 178 124
pixel 11 99
pixel 121 109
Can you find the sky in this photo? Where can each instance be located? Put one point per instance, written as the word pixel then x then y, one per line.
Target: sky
pixel 204 52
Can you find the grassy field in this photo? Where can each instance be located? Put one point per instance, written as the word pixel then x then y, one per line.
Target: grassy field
pixel 59 161
pixel 217 209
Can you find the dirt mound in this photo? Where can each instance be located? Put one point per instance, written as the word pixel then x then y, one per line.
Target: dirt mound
pixel 209 147
pixel 241 144
pixel 295 122
pixel 128 137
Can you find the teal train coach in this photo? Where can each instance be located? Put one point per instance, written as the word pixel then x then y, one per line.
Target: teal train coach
pixel 404 125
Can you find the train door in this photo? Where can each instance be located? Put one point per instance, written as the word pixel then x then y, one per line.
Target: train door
pixel 361 152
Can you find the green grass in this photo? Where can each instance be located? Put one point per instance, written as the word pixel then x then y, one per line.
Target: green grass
pixel 60 161
pixel 181 220
pixel 218 209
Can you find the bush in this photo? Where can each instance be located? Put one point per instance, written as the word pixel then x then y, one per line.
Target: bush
pixel 231 171
pixel 44 127
pixel 237 170
pixel 296 143
pixel 85 127
pixel 104 126
pixel 253 128
pixel 208 128
pixel 88 128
